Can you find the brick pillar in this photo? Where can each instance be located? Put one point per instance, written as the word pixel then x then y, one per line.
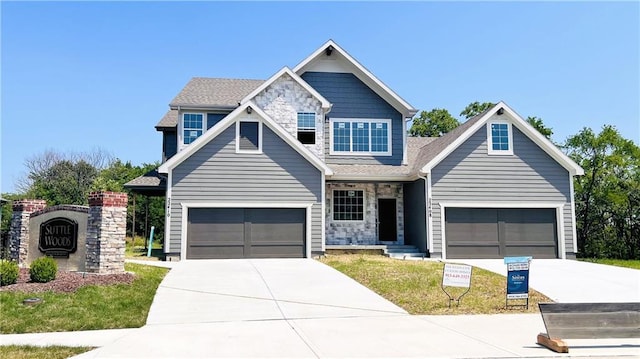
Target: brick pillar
pixel 106 230
pixel 19 232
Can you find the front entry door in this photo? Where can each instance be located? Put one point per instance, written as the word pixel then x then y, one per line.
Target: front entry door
pixel 387 220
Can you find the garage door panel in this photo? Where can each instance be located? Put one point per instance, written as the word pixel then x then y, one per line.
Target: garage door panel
pixel 500 232
pixel 246 233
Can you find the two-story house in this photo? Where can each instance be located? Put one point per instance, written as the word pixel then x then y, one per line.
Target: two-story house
pixel 318 155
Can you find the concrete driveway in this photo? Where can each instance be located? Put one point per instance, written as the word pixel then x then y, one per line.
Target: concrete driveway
pixel 571 281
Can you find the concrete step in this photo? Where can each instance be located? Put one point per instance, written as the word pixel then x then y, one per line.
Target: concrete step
pixel 403 250
pixel 406 255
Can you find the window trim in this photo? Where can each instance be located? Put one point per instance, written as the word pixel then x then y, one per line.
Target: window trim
pixel 238 150
pixel 490 150
pixel 181 130
pixel 364 205
pixel 371 121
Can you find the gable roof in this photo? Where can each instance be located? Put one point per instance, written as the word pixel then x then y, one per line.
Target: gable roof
pixel 170 119
pixel 228 121
pixel 326 105
pixel 203 92
pixel 361 73
pixel 438 150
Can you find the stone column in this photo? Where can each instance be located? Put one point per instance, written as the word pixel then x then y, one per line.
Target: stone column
pixel 19 232
pixel 106 230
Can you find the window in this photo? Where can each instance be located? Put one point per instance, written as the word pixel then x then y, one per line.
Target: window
pixel 249 136
pixel 192 127
pixel 499 138
pixel 307 127
pixel 348 205
pixel 360 136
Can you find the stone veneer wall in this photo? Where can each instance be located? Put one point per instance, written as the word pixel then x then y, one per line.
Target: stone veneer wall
pixel 106 230
pixel 19 232
pixel 283 99
pixel 363 232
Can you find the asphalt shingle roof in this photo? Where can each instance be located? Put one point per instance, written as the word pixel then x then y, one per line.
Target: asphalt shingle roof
pixel 215 92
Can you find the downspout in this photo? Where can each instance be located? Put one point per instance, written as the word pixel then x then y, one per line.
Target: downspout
pixel 427 214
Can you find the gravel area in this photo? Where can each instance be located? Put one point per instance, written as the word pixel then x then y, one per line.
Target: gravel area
pixel 66 282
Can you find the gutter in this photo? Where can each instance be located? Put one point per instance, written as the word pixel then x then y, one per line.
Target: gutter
pixel 201 107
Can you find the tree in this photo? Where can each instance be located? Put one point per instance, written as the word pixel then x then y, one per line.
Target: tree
pixel 434 123
pixel 608 195
pixel 537 123
pixel 476 108
pixel 65 182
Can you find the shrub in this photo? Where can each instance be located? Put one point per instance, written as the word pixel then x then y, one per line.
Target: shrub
pixel 43 270
pixel 8 272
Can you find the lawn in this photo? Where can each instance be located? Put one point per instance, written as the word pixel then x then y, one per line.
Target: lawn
pixel 135 249
pixel 90 308
pixel 32 352
pixel 628 263
pixel 416 285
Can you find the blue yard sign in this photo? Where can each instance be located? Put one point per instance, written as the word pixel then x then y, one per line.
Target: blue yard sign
pixel 518 278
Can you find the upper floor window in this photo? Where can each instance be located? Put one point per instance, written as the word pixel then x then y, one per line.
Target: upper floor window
pixel 192 127
pixel 499 138
pixel 307 127
pixel 249 136
pixel 360 136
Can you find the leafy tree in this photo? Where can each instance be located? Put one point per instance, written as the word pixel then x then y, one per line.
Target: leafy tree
pixel 65 182
pixel 475 108
pixel 537 123
pixel 434 123
pixel 608 195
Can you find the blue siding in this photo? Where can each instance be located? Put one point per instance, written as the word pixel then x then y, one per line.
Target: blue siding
pixel 415 216
pixel 214 118
pixel 351 98
pixel 169 144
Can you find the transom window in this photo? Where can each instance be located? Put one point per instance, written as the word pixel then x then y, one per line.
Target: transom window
pixel 499 138
pixel 192 127
pixel 363 136
pixel 249 136
pixel 307 127
pixel 348 205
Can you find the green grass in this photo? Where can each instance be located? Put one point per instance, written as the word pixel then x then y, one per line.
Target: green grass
pixel 90 308
pixel 628 263
pixel 135 249
pixel 416 285
pixel 32 352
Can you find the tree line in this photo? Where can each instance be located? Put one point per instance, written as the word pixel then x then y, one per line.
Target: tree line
pixel 607 196
pixel 67 178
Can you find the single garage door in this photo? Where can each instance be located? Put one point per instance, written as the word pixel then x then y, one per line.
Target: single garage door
pixel 501 232
pixel 246 233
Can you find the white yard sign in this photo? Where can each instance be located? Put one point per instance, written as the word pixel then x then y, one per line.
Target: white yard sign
pixel 456 275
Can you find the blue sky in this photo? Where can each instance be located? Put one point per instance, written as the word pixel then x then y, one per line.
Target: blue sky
pixel 83 75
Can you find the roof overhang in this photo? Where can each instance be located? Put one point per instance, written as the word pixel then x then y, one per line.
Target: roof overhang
pixel 528 130
pixel 375 178
pixel 228 121
pixel 326 105
pixel 360 72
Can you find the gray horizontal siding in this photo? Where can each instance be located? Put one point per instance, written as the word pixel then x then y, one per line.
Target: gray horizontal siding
pixel 216 173
pixel 351 98
pixel 469 174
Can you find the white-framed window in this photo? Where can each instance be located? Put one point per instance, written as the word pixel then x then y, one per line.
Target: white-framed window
pixel 360 136
pixel 499 138
pixel 249 136
pixel 348 205
pixel 307 128
pixel 193 126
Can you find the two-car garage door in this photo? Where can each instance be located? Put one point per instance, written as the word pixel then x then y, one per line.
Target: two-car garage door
pixel 246 233
pixel 501 232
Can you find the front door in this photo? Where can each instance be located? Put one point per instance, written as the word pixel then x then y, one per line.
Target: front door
pixel 387 220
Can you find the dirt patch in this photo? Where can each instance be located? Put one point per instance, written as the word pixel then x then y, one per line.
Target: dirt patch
pixel 66 282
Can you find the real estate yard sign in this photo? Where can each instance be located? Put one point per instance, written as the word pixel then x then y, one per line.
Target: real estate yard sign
pixel 456 275
pixel 517 278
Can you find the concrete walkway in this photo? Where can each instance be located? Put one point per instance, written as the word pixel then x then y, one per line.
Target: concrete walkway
pixel 304 309
pixel 571 281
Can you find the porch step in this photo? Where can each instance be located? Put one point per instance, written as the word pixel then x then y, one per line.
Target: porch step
pixel 403 251
pixel 407 255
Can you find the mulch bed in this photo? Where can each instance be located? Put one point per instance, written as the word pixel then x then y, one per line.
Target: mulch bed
pixel 66 282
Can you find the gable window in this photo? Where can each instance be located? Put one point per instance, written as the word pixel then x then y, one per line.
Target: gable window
pixel 249 136
pixel 360 136
pixel 307 128
pixel 348 205
pixel 192 127
pixel 499 138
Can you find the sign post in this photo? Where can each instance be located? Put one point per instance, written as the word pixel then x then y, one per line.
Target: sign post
pixel 517 279
pixel 456 275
